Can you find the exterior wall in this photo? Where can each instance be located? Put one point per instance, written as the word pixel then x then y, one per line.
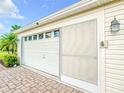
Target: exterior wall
pixel 74 20
pixel 115 52
pixel 58 24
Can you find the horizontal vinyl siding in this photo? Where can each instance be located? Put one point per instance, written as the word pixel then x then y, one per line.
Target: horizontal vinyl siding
pixel 115 52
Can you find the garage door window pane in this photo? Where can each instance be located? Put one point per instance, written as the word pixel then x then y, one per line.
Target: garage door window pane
pixel 56 33
pixel 48 35
pixel 25 38
pixel 41 36
pixel 30 38
pixel 35 37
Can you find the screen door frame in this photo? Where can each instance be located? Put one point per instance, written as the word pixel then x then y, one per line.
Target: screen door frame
pixel 100 87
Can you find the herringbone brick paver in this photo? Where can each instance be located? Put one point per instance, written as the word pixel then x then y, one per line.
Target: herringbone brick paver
pixel 22 80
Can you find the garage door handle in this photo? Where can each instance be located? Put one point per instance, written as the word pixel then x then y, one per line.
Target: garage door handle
pixel 44 57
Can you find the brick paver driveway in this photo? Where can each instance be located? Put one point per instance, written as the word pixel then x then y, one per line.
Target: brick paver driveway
pixel 22 80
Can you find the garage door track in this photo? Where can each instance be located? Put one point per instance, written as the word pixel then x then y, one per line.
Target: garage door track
pixel 22 80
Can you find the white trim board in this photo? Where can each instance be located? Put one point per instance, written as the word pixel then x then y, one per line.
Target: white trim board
pixel 79 83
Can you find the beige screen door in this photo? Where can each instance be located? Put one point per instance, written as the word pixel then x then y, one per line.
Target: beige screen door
pixel 79 55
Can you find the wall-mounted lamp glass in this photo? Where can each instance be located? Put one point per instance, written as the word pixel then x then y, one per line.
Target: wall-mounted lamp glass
pixel 37 23
pixel 115 25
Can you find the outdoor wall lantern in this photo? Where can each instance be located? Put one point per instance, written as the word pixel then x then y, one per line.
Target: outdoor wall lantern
pixel 37 23
pixel 115 25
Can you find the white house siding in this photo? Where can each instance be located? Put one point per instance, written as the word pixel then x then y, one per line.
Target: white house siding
pixel 115 52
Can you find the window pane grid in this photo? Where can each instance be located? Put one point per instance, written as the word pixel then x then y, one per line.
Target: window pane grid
pixel 35 37
pixel 56 33
pixel 48 35
pixel 25 38
pixel 41 36
pixel 30 38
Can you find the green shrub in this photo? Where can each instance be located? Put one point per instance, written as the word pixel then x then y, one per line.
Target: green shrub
pixel 10 60
pixel 2 55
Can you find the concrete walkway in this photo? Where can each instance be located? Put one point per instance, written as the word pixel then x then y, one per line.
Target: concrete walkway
pixel 22 80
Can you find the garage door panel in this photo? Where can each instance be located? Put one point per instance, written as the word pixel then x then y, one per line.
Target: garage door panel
pixel 42 54
pixel 52 58
pixel 32 59
pixel 50 63
pixel 41 47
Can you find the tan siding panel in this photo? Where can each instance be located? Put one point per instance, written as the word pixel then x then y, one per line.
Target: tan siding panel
pixel 121 57
pixel 115 66
pixel 112 52
pixel 114 71
pixel 119 17
pixel 108 33
pixel 113 90
pixel 120 77
pixel 115 81
pixel 119 87
pixel 116 47
pixel 115 13
pixel 114 8
pixel 115 51
pixel 116 42
pixel 112 61
pixel 117 37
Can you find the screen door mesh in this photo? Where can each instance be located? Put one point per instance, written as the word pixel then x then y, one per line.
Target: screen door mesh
pixel 79 51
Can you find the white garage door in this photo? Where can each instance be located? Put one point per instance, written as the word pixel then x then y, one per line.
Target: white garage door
pixel 41 51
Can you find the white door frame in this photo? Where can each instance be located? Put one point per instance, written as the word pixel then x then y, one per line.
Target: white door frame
pixel 99 16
